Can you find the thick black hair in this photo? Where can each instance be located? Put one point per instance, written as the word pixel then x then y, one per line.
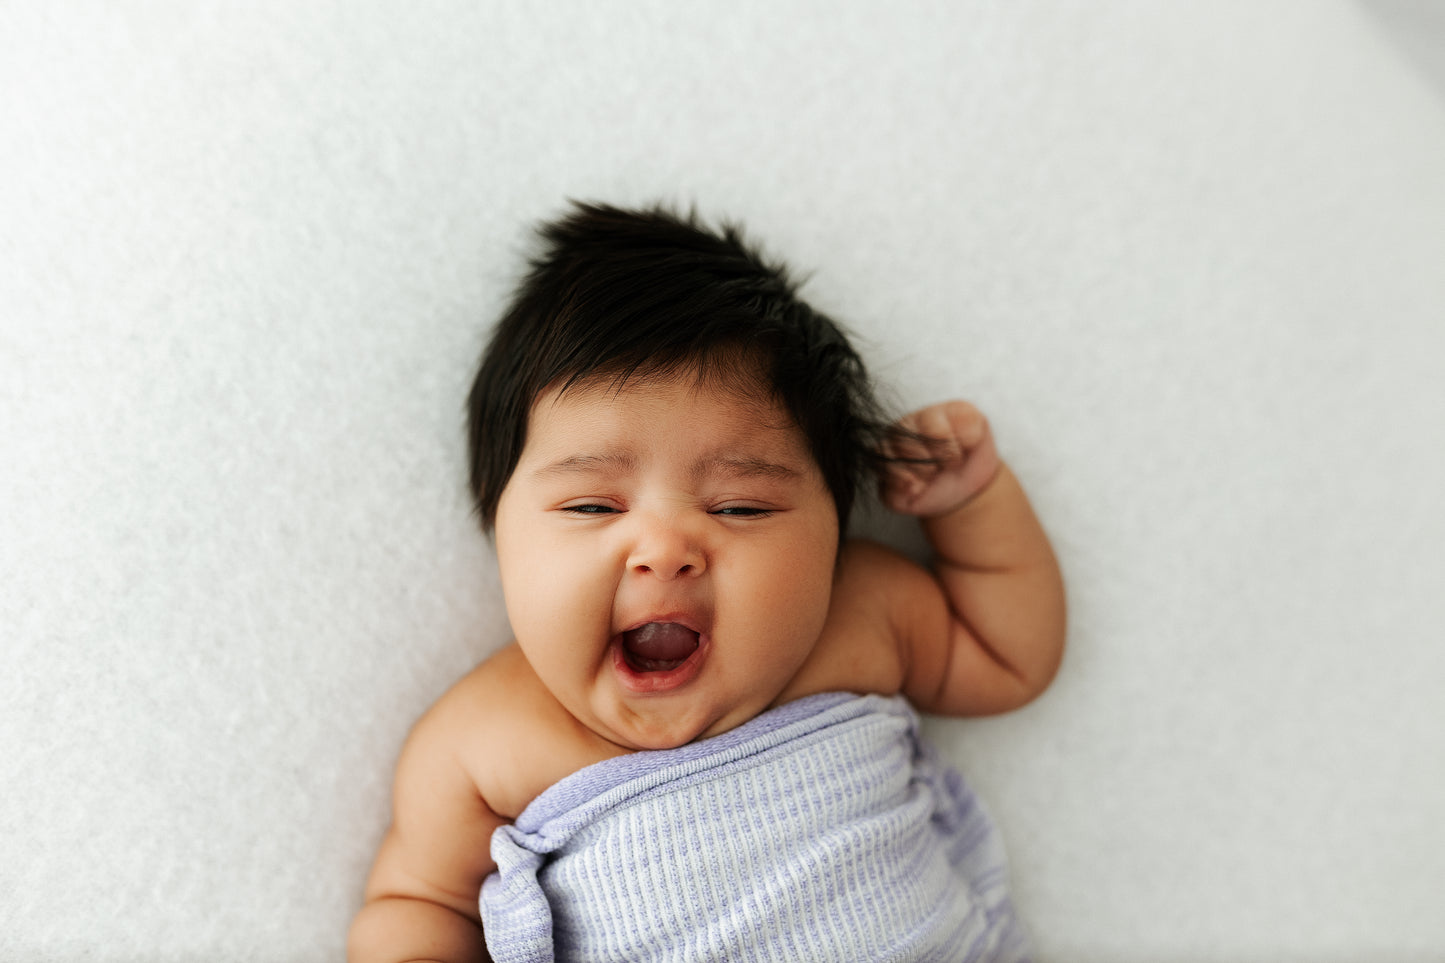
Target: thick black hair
pixel 626 294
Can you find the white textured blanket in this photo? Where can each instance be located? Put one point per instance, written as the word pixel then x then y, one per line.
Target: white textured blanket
pixel 822 830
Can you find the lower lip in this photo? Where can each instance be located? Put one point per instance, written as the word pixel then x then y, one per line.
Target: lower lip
pixel 653 683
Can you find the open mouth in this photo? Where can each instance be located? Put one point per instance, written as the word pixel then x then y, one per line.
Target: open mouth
pixel 657 656
pixel 658 646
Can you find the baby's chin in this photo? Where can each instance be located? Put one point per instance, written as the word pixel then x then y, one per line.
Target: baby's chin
pixel 667 723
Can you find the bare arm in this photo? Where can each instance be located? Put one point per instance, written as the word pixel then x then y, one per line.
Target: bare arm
pixel 1000 638
pixel 421 897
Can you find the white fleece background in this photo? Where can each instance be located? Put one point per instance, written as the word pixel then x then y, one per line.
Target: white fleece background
pixel 1190 257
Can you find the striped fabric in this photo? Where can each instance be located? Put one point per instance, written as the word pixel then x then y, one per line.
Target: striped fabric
pixel 821 830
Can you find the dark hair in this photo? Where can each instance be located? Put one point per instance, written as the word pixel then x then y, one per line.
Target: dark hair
pixel 633 294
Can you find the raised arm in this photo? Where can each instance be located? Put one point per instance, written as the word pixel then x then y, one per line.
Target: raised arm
pixel 1000 640
pixel 421 897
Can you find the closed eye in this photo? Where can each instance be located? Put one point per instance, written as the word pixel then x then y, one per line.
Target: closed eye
pixel 744 511
pixel 590 509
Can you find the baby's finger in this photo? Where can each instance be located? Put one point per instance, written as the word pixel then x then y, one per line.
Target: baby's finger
pixel 966 424
pixel 905 443
pixel 949 429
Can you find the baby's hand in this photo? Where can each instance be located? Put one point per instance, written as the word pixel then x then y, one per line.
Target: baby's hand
pixel 962 460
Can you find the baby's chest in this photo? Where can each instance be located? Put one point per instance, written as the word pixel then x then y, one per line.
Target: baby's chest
pixel 523 764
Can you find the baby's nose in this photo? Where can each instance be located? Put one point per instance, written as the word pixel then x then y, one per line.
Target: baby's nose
pixel 667 550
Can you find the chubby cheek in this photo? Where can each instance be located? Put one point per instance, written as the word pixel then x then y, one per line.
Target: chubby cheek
pixel 555 604
pixel 785 605
pixel 809 601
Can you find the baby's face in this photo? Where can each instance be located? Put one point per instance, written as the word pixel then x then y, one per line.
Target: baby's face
pixel 667 556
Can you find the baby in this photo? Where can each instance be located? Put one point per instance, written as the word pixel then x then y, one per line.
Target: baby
pixel 666 445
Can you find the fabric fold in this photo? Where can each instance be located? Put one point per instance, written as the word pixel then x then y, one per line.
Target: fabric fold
pixel 824 829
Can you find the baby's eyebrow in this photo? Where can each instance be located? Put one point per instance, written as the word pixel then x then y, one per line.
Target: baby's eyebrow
pixel 590 464
pixel 624 462
pixel 736 466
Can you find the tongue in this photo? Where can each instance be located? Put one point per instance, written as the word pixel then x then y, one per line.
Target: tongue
pixel 658 646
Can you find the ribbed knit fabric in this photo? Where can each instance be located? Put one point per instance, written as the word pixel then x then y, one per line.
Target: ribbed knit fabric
pixel 821 830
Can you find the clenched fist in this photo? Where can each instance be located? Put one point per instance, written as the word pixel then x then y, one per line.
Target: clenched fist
pixel 942 456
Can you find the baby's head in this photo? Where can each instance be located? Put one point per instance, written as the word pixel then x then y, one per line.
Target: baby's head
pixel 619 296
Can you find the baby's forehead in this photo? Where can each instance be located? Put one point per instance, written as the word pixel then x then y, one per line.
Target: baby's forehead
pixel 743 394
pixel 603 413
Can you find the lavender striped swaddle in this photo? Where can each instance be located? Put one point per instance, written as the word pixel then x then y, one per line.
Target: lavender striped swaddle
pixel 821 830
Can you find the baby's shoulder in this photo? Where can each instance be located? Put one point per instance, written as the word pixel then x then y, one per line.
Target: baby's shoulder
pixel 863 558
pixel 875 583
pixel 499 689
pixel 509 733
